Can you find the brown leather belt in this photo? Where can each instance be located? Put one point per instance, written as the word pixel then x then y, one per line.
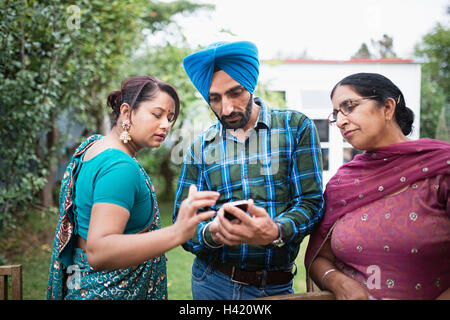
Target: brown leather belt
pixel 254 278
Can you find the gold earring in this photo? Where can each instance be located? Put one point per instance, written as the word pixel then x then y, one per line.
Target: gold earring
pixel 125 136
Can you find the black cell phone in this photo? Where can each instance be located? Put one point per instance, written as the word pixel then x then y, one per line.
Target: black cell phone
pixel 241 204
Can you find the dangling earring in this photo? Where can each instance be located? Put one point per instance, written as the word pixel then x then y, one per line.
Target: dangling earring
pixel 125 136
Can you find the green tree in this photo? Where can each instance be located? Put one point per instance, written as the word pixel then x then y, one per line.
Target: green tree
pixel 434 50
pixel 384 47
pixel 381 49
pixel 57 61
pixel 363 52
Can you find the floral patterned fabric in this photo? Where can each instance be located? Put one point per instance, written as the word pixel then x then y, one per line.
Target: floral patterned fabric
pixel 71 276
pixel 399 246
pixel 387 212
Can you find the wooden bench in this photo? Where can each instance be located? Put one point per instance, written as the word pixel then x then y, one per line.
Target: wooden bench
pixel 321 295
pixel 15 272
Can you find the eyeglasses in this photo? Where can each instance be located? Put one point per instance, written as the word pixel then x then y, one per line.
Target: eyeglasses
pixel 346 108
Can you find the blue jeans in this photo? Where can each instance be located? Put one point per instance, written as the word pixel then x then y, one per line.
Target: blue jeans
pixel 210 284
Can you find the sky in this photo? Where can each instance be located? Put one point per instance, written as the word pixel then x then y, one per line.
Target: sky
pixel 323 29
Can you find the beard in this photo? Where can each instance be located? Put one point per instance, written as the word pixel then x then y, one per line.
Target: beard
pixel 245 117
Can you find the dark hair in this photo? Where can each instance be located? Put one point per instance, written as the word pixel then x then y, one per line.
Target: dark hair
pixel 373 84
pixel 135 90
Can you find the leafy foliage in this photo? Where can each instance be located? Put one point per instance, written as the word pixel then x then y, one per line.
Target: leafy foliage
pixel 435 100
pixel 58 59
pixel 385 47
pixel 382 48
pixel 30 47
pixel 363 52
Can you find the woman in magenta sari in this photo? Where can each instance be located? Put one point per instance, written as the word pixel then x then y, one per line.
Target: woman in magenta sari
pixel 386 229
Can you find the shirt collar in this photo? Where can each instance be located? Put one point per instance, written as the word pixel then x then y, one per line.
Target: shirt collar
pixel 264 114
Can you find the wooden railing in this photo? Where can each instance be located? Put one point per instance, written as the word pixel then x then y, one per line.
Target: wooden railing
pixel 15 272
pixel 320 295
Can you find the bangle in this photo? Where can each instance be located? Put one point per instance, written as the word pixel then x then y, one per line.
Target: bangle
pixel 204 238
pixel 324 275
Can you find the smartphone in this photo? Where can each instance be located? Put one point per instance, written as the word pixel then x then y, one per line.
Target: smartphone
pixel 241 204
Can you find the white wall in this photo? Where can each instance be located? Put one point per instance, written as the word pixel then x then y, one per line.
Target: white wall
pixel 293 78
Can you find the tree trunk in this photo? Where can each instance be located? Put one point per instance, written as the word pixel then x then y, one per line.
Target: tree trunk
pixel 46 194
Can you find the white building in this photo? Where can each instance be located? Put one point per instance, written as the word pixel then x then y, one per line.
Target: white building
pixel 306 85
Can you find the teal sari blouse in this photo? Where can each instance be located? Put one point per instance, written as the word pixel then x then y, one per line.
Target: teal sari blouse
pixel 112 177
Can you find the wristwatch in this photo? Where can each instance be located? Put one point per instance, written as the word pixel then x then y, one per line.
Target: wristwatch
pixel 277 243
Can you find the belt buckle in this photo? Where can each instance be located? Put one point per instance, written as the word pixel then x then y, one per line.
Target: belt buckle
pixel 233 269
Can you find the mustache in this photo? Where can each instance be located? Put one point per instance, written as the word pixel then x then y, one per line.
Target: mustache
pixel 231 115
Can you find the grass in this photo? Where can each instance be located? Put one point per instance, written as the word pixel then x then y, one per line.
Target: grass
pixel 30 245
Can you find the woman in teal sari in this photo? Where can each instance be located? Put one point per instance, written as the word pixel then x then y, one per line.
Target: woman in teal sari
pixel 109 243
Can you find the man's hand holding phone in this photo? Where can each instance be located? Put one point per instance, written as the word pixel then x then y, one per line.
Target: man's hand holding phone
pixel 257 228
pixel 241 204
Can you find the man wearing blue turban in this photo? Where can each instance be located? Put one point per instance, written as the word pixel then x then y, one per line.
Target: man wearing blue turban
pixel 271 158
pixel 238 59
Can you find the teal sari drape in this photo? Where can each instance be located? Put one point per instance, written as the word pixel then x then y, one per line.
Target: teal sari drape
pixel 71 276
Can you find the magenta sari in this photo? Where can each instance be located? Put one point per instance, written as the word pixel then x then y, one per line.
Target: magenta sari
pixel 376 225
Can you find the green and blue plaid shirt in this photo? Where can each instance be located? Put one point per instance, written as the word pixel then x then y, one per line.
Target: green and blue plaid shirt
pixel 279 166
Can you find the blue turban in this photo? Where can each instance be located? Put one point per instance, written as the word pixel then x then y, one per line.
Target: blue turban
pixel 238 59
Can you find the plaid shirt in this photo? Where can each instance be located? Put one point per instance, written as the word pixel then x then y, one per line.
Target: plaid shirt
pixel 279 166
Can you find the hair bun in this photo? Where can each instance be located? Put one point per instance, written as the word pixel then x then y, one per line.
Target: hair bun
pixel 115 100
pixel 405 119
